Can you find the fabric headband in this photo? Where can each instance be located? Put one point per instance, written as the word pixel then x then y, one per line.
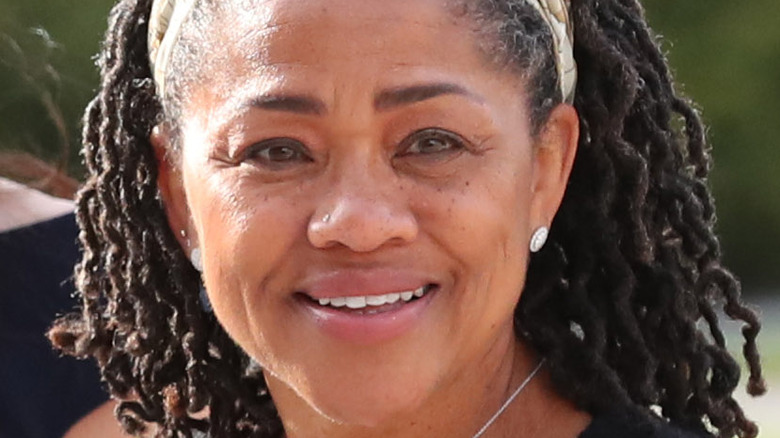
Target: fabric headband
pixel 167 17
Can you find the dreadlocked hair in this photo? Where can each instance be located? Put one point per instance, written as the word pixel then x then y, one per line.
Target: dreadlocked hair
pixel 141 318
pixel 616 300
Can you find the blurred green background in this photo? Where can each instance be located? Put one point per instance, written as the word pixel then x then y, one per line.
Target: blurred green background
pixel 725 55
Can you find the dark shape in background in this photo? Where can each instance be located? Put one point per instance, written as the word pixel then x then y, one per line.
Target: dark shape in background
pixel 41 393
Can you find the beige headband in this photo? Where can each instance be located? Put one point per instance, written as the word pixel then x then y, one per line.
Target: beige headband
pixel 168 15
pixel 556 14
pixel 165 24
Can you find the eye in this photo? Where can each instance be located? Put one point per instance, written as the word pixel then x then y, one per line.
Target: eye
pixel 277 153
pixel 431 141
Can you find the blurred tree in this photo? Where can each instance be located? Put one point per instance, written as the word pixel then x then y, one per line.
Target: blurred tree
pixel 46 73
pixel 726 56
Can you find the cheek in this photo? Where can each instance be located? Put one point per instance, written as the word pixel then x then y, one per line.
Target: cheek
pixel 480 224
pixel 245 235
pixel 487 212
pixel 483 223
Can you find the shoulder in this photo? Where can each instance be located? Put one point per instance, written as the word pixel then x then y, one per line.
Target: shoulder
pixel 635 425
pixel 24 206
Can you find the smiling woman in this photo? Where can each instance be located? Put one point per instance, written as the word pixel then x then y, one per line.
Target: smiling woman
pixel 416 218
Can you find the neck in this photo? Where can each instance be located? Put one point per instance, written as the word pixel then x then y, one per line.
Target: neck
pixel 488 383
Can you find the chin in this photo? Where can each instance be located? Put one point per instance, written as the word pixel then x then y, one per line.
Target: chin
pixel 367 410
pixel 365 402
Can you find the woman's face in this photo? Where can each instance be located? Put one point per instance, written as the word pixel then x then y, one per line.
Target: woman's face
pixel 344 157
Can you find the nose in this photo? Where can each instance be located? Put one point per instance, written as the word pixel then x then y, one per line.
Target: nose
pixel 363 213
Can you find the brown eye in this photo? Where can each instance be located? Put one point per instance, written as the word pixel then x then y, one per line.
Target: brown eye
pixel 431 141
pixel 278 152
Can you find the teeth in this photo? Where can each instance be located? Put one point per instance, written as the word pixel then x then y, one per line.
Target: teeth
pixel 372 300
pixel 375 300
pixel 356 302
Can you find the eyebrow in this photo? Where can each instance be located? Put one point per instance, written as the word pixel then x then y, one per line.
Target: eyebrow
pixel 392 98
pixel 292 103
pixel 385 100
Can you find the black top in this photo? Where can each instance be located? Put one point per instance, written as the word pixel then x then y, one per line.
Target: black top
pixel 621 425
pixel 41 393
pixel 634 425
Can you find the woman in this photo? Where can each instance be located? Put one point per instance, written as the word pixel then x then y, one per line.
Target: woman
pixel 362 193
pixel 37 252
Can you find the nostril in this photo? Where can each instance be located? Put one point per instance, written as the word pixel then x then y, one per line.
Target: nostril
pixel 362 226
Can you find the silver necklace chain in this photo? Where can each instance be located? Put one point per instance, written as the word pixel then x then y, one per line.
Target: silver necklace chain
pixel 509 400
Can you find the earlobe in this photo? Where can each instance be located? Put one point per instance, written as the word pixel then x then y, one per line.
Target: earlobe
pixel 554 157
pixel 170 183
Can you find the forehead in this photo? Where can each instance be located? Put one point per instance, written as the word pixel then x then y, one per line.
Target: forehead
pixel 269 32
pixel 335 47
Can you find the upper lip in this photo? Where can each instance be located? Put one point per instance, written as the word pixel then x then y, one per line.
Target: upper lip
pixel 352 282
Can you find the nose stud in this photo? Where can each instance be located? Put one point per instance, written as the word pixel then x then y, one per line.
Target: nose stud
pixel 326 218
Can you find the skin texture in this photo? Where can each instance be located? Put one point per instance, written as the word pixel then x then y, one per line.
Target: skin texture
pixel 354 194
pixel 100 422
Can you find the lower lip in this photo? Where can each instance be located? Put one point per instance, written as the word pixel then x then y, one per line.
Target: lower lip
pixel 368 328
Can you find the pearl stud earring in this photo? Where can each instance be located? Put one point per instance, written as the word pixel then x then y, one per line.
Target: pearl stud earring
pixel 195 259
pixel 539 238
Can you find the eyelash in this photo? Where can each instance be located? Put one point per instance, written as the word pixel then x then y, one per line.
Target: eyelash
pixel 293 151
pixel 448 142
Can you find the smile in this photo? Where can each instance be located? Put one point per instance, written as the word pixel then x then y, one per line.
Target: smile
pixel 368 319
pixel 362 302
